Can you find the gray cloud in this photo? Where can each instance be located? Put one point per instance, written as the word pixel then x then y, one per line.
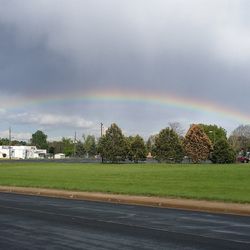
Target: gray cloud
pixel 195 49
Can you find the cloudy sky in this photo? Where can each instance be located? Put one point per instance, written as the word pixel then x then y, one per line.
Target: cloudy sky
pixel 54 52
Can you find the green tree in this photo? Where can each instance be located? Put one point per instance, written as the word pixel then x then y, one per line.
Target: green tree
pixel 223 152
pixel 18 143
pixel 57 145
pixel 129 141
pixel 197 144
pixel 51 151
pixel 80 150
pixel 113 146
pixel 4 141
pixel 68 146
pixel 137 149
pixel 90 145
pixel 168 147
pixel 39 139
pixel 214 132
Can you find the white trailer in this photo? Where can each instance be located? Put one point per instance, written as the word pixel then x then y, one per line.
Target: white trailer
pixel 22 152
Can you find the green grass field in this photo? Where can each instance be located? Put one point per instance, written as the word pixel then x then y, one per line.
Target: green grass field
pixel 210 182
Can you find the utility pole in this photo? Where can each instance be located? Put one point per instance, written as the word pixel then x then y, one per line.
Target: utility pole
pixel 75 145
pixel 10 143
pixel 101 128
pixel 101 136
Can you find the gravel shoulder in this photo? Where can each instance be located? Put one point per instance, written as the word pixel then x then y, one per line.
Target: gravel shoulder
pixel 177 203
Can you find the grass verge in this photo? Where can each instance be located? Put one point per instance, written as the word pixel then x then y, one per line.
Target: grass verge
pixel 210 182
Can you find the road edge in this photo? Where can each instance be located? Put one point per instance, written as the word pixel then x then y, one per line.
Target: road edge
pixel 176 203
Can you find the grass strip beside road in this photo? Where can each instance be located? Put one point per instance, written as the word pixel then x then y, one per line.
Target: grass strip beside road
pixel 229 183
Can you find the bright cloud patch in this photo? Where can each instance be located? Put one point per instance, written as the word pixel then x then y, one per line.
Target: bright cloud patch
pixel 46 119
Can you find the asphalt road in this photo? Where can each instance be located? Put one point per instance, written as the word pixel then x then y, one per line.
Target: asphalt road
pixel 30 222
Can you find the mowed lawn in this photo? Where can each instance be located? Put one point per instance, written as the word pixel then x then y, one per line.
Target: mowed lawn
pixel 211 182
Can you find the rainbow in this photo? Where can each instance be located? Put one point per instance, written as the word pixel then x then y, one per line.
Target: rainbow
pixel 155 98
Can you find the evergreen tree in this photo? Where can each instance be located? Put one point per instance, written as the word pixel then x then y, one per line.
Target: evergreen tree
pixel 223 152
pixel 80 150
pixel 113 146
pixel 168 147
pixel 137 149
pixel 196 143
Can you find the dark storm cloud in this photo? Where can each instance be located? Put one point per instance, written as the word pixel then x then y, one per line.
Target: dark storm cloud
pixel 198 49
pixel 31 69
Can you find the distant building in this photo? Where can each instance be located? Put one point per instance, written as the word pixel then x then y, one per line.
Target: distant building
pixel 22 152
pixel 149 156
pixel 59 156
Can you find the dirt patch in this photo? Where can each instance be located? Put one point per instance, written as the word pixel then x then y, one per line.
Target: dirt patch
pixel 187 204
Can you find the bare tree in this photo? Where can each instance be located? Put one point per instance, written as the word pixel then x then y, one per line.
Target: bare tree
pixel 177 128
pixel 240 138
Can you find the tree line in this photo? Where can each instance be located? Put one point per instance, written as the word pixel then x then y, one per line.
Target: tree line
pixel 168 146
pixel 202 142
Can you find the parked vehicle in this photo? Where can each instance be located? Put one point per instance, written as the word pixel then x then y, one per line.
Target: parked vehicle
pixel 243 158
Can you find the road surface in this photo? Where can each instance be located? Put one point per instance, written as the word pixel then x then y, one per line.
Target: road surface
pixel 31 222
